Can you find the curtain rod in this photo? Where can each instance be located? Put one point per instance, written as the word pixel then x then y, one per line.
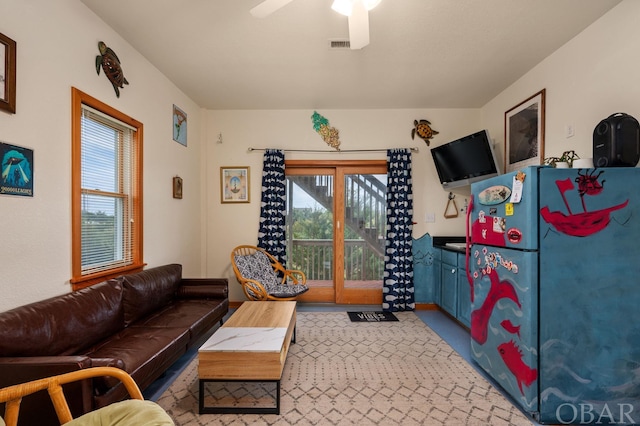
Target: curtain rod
pixel 413 149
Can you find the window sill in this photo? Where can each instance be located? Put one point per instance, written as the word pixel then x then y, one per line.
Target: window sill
pixel 84 281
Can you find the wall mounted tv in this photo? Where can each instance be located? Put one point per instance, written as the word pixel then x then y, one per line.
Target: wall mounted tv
pixel 466 160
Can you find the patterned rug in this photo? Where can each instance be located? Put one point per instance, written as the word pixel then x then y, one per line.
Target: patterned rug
pixel 344 373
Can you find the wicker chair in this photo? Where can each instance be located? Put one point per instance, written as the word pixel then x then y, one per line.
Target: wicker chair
pixel 131 412
pixel 257 271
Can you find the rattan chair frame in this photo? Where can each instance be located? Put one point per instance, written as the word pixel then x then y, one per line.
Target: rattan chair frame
pixel 12 395
pixel 252 287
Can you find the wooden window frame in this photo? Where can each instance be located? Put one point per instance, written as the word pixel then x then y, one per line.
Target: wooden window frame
pixel 339 293
pixel 78 280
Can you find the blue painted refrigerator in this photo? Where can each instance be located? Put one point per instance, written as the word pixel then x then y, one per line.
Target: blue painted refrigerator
pixel 555 276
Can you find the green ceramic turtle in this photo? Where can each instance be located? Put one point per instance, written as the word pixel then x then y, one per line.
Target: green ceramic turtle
pixel 109 62
pixel 423 129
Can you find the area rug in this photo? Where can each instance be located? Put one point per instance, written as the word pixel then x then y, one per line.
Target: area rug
pixel 371 316
pixel 341 373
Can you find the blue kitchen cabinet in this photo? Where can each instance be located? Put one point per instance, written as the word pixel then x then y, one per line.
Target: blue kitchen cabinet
pixel 455 291
pixel 424 269
pixel 436 271
pixel 449 282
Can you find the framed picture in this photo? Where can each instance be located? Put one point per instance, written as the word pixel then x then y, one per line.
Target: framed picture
pixel 7 74
pixel 177 187
pixel 234 184
pixel 524 133
pixel 17 170
pixel 179 126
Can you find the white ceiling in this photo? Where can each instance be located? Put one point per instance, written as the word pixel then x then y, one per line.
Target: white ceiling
pixel 423 53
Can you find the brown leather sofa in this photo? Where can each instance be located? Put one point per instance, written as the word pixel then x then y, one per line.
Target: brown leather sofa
pixel 141 323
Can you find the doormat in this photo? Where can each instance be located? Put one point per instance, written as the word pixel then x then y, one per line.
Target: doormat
pixel 371 316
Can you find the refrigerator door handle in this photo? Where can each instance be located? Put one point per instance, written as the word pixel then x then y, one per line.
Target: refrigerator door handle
pixel 467 253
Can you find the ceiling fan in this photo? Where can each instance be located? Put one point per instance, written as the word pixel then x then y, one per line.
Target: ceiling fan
pixel 356 10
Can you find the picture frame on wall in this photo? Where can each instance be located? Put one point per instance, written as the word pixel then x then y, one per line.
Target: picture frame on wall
pixel 7 74
pixel 524 133
pixel 177 187
pixel 234 185
pixel 179 126
pixel 17 170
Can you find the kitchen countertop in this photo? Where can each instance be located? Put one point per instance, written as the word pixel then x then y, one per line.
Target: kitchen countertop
pixel 441 242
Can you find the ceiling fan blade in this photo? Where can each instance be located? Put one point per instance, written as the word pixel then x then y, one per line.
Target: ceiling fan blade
pixel 358 26
pixel 267 7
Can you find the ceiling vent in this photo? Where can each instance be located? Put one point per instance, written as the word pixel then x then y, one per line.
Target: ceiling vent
pixel 339 44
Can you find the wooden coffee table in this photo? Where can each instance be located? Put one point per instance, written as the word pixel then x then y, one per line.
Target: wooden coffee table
pixel 251 346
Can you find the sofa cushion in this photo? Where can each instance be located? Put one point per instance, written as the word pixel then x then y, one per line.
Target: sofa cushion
pixel 149 290
pixel 144 353
pixel 199 316
pixel 63 325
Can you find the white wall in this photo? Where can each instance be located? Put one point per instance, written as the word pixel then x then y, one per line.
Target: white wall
pixel 56 49
pixel 229 225
pixel 592 76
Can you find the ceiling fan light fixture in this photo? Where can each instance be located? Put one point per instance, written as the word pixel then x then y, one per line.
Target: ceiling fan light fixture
pixel 370 4
pixel 343 7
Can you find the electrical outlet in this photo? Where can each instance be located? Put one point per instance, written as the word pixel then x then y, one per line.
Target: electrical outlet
pixel 569 131
pixel 431 217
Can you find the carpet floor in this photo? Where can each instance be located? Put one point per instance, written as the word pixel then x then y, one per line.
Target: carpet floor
pixel 344 373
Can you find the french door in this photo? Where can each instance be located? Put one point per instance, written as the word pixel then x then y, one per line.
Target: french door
pixel 336 228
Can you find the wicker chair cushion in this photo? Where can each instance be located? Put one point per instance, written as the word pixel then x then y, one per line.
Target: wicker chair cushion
pixel 257 266
pixel 287 290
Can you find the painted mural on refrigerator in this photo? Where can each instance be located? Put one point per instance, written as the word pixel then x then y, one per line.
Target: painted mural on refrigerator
pixel 555 283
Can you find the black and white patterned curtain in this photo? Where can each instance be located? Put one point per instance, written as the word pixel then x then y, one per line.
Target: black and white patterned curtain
pixel 398 290
pixel 271 234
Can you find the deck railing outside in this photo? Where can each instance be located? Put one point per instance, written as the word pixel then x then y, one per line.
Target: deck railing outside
pixel 315 258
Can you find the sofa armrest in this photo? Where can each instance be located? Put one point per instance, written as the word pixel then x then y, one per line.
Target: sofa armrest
pixel 203 288
pixel 14 370
pixel 107 362
pixel 73 362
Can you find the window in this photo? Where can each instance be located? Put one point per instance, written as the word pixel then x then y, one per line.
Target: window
pixel 106 191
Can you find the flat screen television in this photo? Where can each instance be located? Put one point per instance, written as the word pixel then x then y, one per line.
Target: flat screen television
pixel 466 160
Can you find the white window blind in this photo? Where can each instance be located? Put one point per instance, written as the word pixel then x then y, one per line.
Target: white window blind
pixel 107 188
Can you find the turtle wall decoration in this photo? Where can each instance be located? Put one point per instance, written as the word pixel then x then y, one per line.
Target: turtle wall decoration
pixel 109 62
pixel 422 128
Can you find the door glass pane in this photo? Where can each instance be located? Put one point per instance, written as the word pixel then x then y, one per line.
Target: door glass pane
pixel 365 220
pixel 310 227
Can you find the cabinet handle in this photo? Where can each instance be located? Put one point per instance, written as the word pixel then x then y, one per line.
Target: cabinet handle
pixel 453 270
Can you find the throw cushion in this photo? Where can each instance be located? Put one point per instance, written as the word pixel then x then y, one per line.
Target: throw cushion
pixel 133 412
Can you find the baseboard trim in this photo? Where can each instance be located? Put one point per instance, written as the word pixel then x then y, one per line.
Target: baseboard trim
pixel 419 306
